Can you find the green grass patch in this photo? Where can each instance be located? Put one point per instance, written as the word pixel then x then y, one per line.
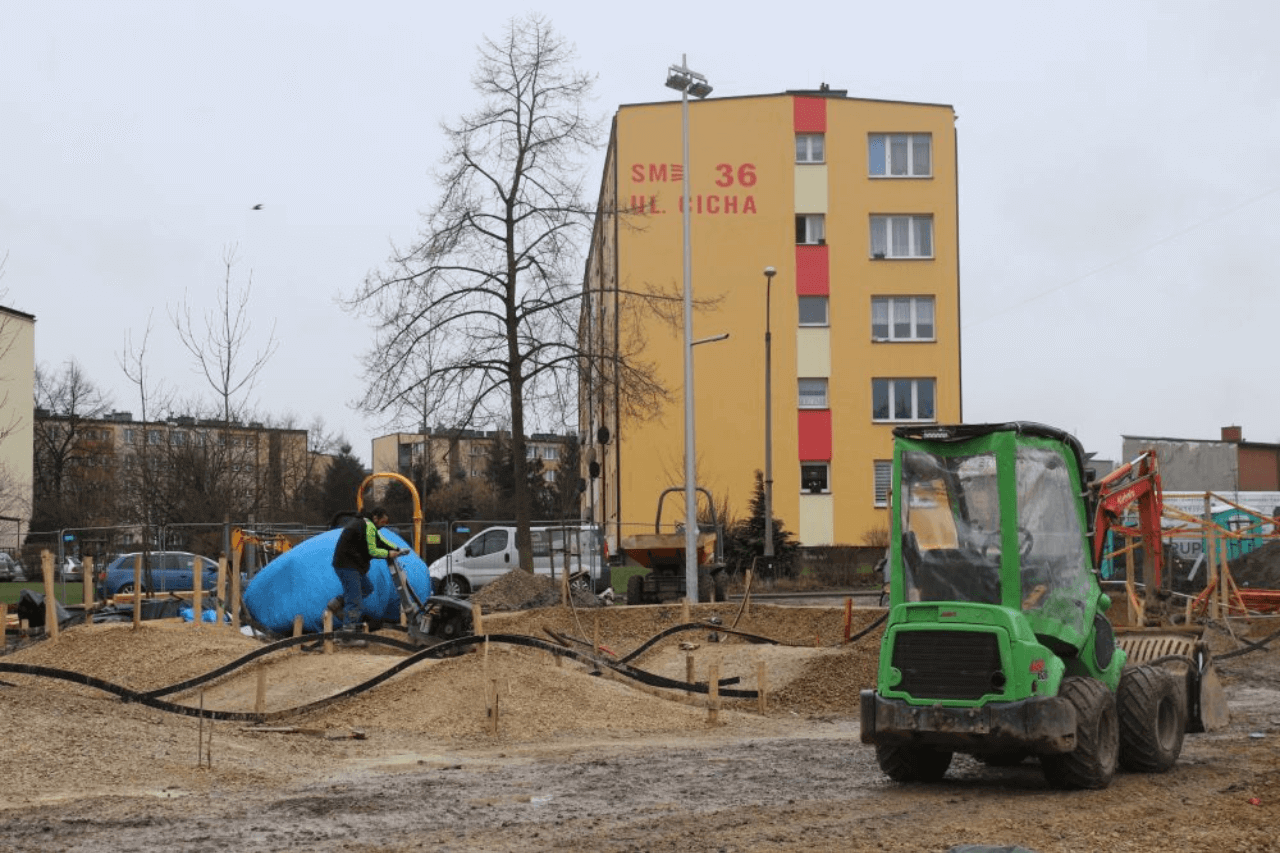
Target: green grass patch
pixel 66 593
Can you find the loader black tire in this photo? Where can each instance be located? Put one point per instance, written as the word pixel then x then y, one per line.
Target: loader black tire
pixel 1153 719
pixel 912 763
pixel 1093 762
pixel 635 589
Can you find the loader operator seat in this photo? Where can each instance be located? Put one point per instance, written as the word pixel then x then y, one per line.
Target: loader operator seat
pixel 948 574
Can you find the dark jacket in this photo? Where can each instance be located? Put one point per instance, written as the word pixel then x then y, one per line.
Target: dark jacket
pixel 359 543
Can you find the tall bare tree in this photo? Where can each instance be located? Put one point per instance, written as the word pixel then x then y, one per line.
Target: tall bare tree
pixel 220 344
pixel 476 320
pixel 70 483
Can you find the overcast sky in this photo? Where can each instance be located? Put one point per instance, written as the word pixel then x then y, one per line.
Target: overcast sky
pixel 1119 212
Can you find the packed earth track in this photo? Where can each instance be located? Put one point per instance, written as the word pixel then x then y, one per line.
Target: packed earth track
pixel 582 760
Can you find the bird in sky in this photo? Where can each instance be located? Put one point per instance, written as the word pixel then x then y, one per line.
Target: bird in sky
pixel 257 207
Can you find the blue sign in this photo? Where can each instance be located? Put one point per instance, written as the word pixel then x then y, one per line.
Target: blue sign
pixel 68 537
pixel 462 530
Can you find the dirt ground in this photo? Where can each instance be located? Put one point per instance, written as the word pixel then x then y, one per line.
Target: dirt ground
pixel 580 761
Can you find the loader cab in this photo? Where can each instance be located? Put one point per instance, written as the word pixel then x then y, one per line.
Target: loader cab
pixel 995 515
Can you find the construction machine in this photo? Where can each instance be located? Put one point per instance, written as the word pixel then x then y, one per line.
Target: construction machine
pixel 663 554
pixel 997 642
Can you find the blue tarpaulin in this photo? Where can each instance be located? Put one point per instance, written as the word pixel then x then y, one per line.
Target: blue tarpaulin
pixel 302 581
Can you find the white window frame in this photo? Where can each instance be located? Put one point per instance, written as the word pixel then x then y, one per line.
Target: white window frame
pixel 811 229
pixel 817 396
pixel 820 467
pixel 815 300
pixel 811 148
pixel 882 481
pixel 908 235
pixel 901 155
pixel 914 308
pixel 894 390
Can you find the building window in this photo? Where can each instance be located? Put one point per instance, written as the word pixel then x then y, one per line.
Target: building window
pixel 813 310
pixel 813 393
pixel 530 452
pixel 810 229
pixel 815 477
pixel 883 481
pixel 549 475
pixel 901 236
pixel 902 399
pixel 809 148
pixel 902 318
pixel 900 155
pixel 551 452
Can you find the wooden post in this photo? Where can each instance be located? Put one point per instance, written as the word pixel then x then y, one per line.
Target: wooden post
pixel 1137 613
pixel 746 593
pixel 297 625
pixel 235 589
pixel 328 631
pixel 476 619
pixel 50 602
pixel 260 698
pixel 713 693
pixel 137 591
pixel 684 610
pixel 762 686
pixel 848 618
pixel 219 590
pixel 491 701
pixel 197 592
pixel 688 669
pixel 86 579
pixel 4 626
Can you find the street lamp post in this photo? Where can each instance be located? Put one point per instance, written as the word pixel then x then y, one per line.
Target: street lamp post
pixel 769 273
pixel 688 82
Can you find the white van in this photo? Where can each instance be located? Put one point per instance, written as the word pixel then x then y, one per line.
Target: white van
pixel 492 553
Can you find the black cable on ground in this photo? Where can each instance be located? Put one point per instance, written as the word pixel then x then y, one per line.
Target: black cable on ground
pixel 152 698
pixel 1249 646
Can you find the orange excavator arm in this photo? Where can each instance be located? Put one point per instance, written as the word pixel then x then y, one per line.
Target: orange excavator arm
pixel 1136 482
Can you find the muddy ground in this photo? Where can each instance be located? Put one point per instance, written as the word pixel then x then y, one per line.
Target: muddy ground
pixel 580 761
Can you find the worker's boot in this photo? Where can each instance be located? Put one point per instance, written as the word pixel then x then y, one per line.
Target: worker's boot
pixel 335 606
pixel 346 638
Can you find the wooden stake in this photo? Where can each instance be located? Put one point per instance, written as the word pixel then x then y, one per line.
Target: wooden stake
pixel 197 592
pixel 50 602
pixel 297 625
pixel 235 590
pixel 688 669
pixel 4 623
pixel 684 610
pixel 713 693
pixel 87 580
pixel 848 619
pixel 328 631
pixel 476 619
pixel 219 590
pixel 493 706
pixel 260 699
pixel 746 593
pixel 137 591
pixel 762 686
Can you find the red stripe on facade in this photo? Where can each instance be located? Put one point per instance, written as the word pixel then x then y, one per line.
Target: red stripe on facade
pixel 813 271
pixel 809 115
pixel 815 435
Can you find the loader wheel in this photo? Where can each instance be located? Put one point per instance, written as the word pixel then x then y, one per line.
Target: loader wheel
pixel 1153 719
pixel 912 763
pixel 1093 762
pixel 635 589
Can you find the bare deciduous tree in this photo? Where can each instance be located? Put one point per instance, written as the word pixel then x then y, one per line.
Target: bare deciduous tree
pixel 69 486
pixel 477 320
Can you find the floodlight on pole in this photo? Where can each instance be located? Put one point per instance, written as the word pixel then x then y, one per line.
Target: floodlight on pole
pixel 688 82
pixel 769 273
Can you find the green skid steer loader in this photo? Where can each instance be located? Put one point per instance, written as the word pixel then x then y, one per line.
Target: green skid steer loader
pixel 997 642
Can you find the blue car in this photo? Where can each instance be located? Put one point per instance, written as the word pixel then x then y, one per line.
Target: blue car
pixel 169 570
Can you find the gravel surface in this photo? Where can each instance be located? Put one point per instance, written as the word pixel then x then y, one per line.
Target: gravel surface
pixel 580 762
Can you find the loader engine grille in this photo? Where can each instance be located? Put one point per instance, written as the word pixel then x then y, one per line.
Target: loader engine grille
pixel 948 664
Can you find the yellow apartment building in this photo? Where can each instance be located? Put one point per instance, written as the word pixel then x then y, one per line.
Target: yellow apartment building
pixel 854 203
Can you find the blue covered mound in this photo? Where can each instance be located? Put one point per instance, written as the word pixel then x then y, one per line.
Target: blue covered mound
pixel 302 580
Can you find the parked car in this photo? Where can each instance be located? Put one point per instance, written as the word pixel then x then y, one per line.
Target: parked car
pixel 169 570
pixel 9 568
pixel 71 570
pixel 492 553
